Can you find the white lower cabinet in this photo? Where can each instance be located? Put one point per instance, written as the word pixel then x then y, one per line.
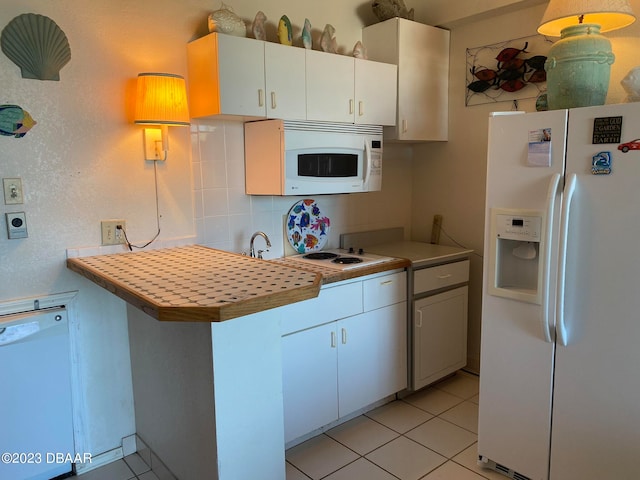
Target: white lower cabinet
pixel 439 335
pixel 372 357
pixel 309 380
pixel 336 368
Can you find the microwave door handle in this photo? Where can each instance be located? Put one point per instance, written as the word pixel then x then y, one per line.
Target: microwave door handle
pixel 366 163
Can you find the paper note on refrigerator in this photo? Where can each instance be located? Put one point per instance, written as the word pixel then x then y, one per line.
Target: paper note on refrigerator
pixel 539 154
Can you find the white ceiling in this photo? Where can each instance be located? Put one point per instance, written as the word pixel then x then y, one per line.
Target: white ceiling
pixel 449 13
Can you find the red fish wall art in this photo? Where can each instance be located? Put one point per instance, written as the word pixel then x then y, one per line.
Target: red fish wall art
pixel 506 71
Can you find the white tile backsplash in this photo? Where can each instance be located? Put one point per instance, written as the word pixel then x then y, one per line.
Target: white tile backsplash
pixel 215 202
pixel 214 173
pixel 226 217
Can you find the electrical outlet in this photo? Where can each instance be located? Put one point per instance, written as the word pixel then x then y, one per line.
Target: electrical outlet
pixel 111 234
pixel 16 225
pixel 12 191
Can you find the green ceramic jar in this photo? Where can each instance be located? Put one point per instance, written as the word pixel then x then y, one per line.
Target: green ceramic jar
pixel 578 68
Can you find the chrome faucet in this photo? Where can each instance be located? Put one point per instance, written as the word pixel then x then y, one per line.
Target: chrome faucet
pixel 252 252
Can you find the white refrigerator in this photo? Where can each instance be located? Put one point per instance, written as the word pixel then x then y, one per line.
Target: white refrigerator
pixel 560 350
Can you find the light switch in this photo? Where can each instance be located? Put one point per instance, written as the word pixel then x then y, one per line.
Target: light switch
pixel 16 225
pixel 12 191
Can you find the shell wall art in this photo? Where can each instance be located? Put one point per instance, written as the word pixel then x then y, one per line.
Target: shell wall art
pixel 37 45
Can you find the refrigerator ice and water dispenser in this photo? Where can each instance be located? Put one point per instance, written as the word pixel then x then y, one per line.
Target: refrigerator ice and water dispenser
pixel 516 266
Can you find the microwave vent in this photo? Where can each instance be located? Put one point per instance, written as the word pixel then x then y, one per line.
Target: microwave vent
pixel 349 128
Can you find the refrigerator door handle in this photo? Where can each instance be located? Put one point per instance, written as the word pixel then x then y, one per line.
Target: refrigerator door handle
pixel 569 190
pixel 551 205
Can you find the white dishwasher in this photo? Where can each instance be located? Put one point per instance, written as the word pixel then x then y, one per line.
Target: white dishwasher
pixel 36 430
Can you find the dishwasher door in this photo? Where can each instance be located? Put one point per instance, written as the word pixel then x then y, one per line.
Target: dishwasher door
pixel 36 430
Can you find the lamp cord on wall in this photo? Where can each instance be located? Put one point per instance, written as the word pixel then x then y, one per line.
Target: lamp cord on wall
pixel 131 246
pixel 444 232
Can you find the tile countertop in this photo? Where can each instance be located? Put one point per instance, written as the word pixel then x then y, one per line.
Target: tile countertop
pixel 201 284
pixel 196 283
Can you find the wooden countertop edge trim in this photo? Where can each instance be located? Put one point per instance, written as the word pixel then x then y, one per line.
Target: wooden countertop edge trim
pixel 239 308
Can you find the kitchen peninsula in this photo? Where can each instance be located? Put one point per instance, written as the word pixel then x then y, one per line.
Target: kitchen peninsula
pixel 205 339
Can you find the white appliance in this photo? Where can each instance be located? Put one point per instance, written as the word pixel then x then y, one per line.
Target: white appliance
pixel 340 259
pixel 559 382
pixel 311 158
pixel 36 433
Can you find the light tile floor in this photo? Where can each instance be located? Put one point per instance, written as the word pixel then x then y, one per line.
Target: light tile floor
pixel 430 435
pixel 131 467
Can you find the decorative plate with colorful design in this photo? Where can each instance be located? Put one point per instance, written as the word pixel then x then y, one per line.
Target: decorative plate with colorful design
pixel 307 227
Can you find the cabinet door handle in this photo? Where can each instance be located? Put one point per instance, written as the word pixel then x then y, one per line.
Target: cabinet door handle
pixel 333 339
pixel 351 106
pixel 344 336
pixel 260 97
pixel 419 319
pixel 273 100
pixel 405 126
pixel 386 282
pixel 361 108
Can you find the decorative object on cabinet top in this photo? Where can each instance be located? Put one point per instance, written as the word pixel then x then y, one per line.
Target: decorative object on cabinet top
pixel 258 29
pixel 14 121
pixel 307 227
pixel 225 21
pixel 386 9
pixel 307 41
pixel 359 50
pixel 37 45
pixel 328 41
pixel 285 32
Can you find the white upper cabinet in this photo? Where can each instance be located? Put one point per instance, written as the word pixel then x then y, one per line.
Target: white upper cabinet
pixel 376 88
pixel 284 81
pixel 421 53
pixel 347 89
pixel 330 87
pixel 226 76
pixel 251 79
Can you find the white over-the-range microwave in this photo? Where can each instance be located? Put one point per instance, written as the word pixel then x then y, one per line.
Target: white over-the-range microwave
pixel 311 158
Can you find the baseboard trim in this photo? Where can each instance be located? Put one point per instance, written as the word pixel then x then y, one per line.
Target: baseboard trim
pixel 99 460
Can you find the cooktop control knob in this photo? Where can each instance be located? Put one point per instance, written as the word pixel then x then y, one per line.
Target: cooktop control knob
pixel 360 251
pixel 350 249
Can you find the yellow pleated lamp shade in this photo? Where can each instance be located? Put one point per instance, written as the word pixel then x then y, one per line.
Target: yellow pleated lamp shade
pixel 161 99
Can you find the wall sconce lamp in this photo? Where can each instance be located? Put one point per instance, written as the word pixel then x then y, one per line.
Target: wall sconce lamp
pixel 579 64
pixel 161 100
